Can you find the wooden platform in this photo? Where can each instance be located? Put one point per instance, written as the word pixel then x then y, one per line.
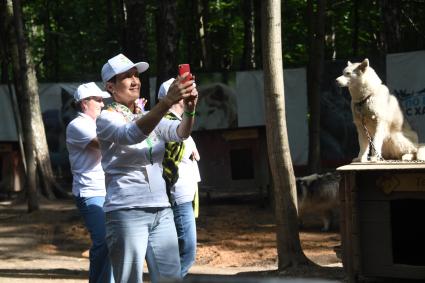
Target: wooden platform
pixel 382 214
pixel 383 165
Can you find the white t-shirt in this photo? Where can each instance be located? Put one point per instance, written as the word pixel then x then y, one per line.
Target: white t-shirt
pixel 184 189
pixel 88 175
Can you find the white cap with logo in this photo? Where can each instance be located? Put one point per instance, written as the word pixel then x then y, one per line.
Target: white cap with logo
pixel 87 90
pixel 120 64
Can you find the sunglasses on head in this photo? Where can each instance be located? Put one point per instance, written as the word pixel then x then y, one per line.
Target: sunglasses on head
pixel 95 98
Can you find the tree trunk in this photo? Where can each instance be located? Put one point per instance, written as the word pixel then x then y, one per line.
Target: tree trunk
pixel 289 248
pixel 111 27
pixel 50 56
pixel 3 44
pixel 391 26
pixel 258 33
pixel 6 33
pixel 248 57
pixel 120 22
pixel 3 69
pixel 355 28
pixel 314 79
pixel 137 39
pixel 204 35
pixel 30 106
pixel 166 25
pixel 192 25
pixel 22 88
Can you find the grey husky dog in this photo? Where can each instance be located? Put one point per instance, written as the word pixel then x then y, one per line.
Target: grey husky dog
pixel 318 199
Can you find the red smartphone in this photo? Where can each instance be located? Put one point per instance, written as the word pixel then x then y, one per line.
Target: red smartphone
pixel 183 68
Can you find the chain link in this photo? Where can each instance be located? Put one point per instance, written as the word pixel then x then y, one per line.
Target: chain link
pixel 371 144
pixel 379 156
pixel 404 161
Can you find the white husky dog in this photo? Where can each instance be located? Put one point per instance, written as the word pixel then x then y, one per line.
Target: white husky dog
pixel 378 117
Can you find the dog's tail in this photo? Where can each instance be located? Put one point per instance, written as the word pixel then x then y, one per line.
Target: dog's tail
pixel 420 154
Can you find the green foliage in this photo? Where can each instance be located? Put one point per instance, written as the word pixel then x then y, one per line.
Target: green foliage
pixel 70 40
pixel 341 24
pixel 413 24
pixel 294 33
pixel 226 30
pixel 151 29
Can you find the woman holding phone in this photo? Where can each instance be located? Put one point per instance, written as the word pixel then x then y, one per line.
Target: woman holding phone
pixel 139 219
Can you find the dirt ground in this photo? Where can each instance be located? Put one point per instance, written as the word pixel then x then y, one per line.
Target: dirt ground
pixel 234 240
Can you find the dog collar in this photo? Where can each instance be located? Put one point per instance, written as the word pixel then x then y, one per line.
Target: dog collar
pixel 361 102
pixel 358 106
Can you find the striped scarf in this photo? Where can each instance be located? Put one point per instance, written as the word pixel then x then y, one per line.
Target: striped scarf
pixel 172 158
pixel 130 116
pixel 125 111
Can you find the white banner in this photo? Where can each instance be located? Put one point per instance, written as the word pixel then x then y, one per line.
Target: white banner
pixel 406 79
pixel 240 103
pixel 250 105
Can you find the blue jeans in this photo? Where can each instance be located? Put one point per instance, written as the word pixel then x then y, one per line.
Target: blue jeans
pixel 91 209
pixel 133 234
pixel 184 219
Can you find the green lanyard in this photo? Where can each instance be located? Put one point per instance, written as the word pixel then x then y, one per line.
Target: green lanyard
pixel 149 142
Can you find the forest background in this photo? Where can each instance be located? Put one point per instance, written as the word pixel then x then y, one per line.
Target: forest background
pixel 68 41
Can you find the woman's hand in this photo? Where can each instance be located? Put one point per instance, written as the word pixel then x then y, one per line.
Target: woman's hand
pixel 191 101
pixel 180 89
pixel 140 105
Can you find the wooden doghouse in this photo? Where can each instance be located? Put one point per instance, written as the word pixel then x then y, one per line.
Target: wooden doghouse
pixel 382 220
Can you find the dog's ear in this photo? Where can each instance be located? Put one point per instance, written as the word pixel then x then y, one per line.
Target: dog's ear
pixel 363 65
pixel 349 63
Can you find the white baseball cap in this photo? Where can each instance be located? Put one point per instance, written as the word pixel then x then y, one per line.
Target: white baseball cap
pixel 87 90
pixel 120 64
pixel 163 89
